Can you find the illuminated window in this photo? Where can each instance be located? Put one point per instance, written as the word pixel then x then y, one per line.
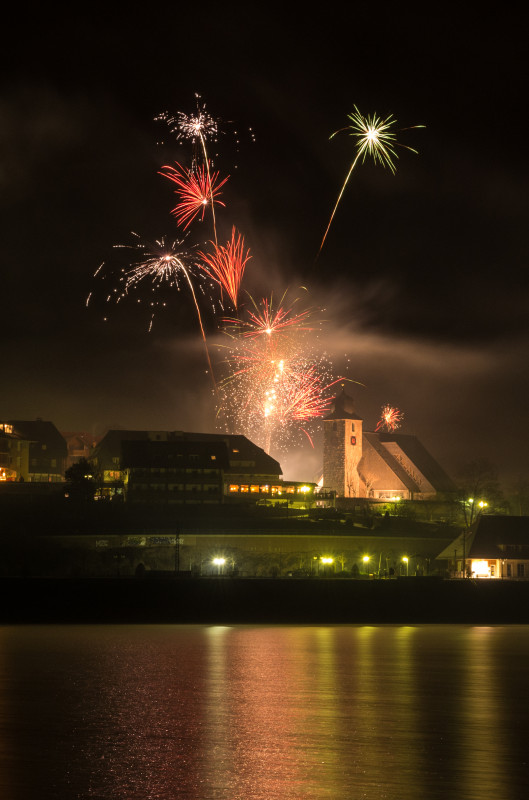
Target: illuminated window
pixel 234 487
pixel 264 488
pixel 213 458
pixel 480 569
pixel 244 487
pixel 254 488
pixel 291 489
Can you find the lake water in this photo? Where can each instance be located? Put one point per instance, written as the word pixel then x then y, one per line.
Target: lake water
pixel 245 712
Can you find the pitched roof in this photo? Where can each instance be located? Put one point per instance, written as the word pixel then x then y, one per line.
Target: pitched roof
pixel 493 537
pixel 41 431
pixel 391 461
pixel 422 460
pixel 176 454
pixel 245 457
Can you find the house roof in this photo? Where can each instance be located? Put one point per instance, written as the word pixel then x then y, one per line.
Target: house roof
pixel 40 431
pixel 492 537
pixel 176 454
pixel 245 457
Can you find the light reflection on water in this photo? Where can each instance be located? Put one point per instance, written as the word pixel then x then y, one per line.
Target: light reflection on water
pixel 264 712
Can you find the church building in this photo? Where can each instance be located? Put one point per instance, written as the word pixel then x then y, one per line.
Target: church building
pixel 379 465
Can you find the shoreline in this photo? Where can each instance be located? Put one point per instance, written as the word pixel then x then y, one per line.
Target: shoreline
pixel 231 600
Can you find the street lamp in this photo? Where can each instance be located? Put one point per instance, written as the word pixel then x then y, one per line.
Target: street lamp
pixel 219 563
pixel 365 559
pixel 406 561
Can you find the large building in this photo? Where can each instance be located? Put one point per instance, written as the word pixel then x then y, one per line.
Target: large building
pixel 38 451
pixel 378 465
pixel 185 467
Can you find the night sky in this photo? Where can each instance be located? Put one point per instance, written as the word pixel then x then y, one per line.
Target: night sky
pixel 423 276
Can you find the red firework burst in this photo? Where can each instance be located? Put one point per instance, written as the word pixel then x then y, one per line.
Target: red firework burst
pixel 227 264
pixel 264 319
pixel 304 395
pixel 390 419
pixel 196 188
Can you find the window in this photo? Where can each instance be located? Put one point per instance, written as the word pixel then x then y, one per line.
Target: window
pixel 509 570
pixel 520 570
pixel 352 427
pixel 234 487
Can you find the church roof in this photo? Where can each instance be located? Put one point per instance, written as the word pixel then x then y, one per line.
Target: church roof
pixel 391 461
pixel 343 407
pixel 421 458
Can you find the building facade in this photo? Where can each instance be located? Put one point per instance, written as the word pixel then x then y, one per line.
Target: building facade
pixel 378 465
pixel 494 547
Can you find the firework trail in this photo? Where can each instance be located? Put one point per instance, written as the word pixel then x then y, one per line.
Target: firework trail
pixel 196 189
pixel 160 263
pixel 198 128
pixel 390 419
pixel 227 264
pixel 374 137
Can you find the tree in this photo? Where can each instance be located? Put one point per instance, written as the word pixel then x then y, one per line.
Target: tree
pixel 80 484
pixel 479 489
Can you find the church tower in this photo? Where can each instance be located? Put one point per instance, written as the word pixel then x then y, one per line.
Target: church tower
pixel 342 447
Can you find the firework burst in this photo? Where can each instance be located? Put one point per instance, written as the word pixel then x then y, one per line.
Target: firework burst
pixel 199 128
pixel 196 189
pixel 227 264
pixel 374 137
pixel 390 419
pixel 160 262
pixel 277 379
pixel 265 320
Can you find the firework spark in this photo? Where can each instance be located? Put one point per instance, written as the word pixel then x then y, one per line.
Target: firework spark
pixel 265 320
pixel 198 127
pixel 196 188
pixel 227 264
pixel 161 262
pixel 374 137
pixel 275 384
pixel 390 419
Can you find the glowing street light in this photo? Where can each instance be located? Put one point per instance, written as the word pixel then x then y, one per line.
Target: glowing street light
pixel 219 563
pixel 365 559
pixel 406 561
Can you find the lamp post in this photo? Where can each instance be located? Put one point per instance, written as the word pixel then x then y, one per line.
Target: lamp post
pixel 365 559
pixel 219 563
pixel 326 561
pixel 406 561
